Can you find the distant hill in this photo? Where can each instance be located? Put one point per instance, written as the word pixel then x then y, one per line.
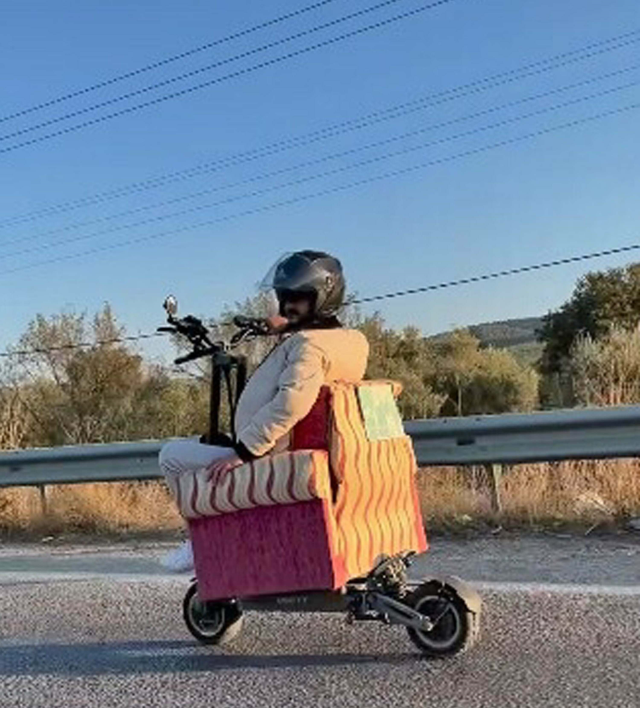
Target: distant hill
pixel 508 333
pixel 518 335
pixel 504 333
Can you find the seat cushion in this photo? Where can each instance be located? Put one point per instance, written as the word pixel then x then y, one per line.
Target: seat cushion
pixel 281 479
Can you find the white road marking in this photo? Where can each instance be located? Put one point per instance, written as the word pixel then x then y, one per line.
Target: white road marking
pixel 563 588
pixel 15 578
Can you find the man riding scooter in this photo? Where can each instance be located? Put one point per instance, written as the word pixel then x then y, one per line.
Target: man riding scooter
pixel 314 350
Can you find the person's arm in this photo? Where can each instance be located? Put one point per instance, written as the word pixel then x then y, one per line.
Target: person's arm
pixel 298 389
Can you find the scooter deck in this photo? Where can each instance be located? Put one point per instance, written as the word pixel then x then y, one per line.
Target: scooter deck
pixel 312 601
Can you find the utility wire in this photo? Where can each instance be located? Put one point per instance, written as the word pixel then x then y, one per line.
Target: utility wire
pixel 167 60
pixel 333 156
pixel 392 112
pixel 200 70
pixel 80 345
pixel 310 178
pixel 331 190
pixel 498 274
pixel 235 74
pixel 387 296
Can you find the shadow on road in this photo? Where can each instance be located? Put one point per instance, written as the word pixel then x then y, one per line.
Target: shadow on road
pixel 170 657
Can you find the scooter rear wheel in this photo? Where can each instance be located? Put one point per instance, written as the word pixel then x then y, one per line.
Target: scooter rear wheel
pixel 455 629
pixel 216 622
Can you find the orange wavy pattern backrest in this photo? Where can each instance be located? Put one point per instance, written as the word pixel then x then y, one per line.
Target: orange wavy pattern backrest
pixel 376 507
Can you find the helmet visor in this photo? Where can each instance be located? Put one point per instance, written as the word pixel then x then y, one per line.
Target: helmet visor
pixel 292 272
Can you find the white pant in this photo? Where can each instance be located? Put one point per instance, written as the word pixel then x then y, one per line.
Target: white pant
pixel 180 456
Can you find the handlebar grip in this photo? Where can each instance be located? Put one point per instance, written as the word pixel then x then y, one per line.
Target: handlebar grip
pixel 244 322
pixel 258 325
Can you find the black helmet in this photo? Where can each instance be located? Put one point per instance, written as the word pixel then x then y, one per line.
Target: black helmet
pixel 313 272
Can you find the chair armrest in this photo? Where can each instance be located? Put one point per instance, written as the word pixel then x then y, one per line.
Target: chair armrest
pixel 284 478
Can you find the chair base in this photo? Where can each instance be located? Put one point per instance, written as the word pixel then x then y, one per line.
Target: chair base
pixel 266 551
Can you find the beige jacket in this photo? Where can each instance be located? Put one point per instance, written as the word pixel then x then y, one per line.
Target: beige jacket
pixel 285 386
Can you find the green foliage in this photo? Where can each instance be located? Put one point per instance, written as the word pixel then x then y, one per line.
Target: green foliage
pixel 606 372
pixel 599 300
pixel 528 354
pixel 482 380
pixel 403 356
pixel 450 376
pixel 60 393
pixel 102 392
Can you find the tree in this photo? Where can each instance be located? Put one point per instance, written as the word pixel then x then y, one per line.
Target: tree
pixel 476 380
pixel 403 356
pixel 101 392
pixel 14 415
pixel 77 382
pixel 169 406
pixel 599 300
pixel 606 371
pixel 454 376
pixel 458 359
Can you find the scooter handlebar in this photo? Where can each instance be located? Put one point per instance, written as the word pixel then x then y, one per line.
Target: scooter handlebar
pixel 193 328
pixel 191 356
pixel 252 324
pixel 261 325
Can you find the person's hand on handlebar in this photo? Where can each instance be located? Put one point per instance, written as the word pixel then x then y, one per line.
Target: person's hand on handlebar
pixel 276 324
pixel 221 467
pixel 261 325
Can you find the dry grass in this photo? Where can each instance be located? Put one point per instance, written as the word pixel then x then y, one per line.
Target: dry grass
pixel 575 493
pixel 90 508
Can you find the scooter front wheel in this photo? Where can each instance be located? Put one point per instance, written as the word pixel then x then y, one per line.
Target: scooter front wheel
pixel 214 622
pixel 455 626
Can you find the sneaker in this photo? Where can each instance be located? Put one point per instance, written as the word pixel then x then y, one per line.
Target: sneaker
pixel 179 560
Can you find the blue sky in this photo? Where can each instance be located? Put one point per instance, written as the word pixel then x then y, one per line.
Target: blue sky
pixel 570 191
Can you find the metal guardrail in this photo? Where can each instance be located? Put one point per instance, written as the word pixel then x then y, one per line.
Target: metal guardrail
pixel 596 433
pixel 113 462
pixel 479 440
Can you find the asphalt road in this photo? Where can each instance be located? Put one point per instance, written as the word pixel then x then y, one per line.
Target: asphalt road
pixel 68 639
pixel 554 559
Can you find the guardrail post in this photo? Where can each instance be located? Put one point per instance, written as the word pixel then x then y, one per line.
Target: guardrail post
pixel 494 475
pixel 44 499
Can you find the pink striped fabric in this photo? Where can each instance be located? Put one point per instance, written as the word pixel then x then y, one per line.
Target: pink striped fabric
pixel 285 478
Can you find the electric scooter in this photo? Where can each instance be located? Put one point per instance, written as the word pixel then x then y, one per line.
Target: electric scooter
pixel 441 615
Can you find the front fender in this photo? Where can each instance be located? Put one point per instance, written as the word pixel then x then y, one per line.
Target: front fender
pixel 468 594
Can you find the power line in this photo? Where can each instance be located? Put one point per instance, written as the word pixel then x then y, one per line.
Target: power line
pixel 327 173
pixel 235 74
pixel 79 345
pixel 498 274
pixel 168 60
pixel 388 113
pixel 387 296
pixel 200 70
pixel 331 190
pixel 326 158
